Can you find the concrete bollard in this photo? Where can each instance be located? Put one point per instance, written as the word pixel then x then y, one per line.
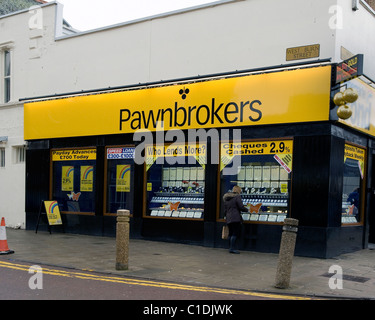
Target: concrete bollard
pixel 122 239
pixel 287 246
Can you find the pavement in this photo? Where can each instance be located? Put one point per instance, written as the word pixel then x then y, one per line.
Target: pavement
pixel 198 265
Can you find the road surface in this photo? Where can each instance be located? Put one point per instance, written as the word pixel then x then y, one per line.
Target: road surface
pixel 23 281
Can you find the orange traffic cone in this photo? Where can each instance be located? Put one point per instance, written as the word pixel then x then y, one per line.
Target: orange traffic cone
pixel 3 239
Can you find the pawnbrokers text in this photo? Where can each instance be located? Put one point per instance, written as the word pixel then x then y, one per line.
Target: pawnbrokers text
pixel 214 113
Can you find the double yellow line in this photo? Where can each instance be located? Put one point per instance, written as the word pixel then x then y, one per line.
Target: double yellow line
pixel 148 283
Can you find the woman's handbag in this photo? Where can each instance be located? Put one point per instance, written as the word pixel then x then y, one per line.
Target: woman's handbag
pixel 225 232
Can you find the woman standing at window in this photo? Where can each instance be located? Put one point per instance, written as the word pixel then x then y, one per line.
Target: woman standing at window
pixel 233 206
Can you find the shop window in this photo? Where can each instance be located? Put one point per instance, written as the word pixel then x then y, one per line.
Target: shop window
pixel 353 184
pixel 175 181
pixel 262 169
pixel 120 179
pixel 73 179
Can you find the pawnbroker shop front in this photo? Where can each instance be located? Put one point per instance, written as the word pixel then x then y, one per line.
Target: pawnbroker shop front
pixel 168 152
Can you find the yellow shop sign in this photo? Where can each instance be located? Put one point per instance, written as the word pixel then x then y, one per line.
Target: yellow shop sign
pixel 280 97
pixel 363 117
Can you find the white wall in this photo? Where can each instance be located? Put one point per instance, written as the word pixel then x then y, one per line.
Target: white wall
pixel 357 34
pixel 239 35
pixel 12 176
pixel 234 36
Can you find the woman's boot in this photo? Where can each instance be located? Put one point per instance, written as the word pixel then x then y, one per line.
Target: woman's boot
pixel 232 244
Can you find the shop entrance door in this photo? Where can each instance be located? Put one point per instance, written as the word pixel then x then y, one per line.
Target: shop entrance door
pixel 371 238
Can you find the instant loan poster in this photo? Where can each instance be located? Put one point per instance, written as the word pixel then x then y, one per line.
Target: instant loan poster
pixel 87 174
pixel 67 178
pixel 123 178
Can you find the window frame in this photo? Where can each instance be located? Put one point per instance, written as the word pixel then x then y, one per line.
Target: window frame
pixel 290 180
pixel 19 154
pixel 2 157
pixel 105 181
pixel 51 182
pixel 362 196
pixel 7 75
pixel 199 205
pixel 6 49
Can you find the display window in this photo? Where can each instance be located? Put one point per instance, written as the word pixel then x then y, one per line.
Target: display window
pixel 73 179
pixel 119 179
pixel 353 184
pixel 262 169
pixel 175 181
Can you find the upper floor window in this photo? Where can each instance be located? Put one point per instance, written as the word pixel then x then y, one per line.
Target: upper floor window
pixel 2 157
pixel 6 75
pixel 6 71
pixel 19 154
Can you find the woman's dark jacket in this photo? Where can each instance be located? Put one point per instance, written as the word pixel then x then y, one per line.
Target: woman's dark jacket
pixel 233 206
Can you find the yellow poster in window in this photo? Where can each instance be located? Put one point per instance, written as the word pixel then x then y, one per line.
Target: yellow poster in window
pixel 74 154
pixel 356 153
pixel 284 187
pixel 53 212
pixel 123 178
pixel 282 151
pixel 67 178
pixel 87 177
pixel 198 151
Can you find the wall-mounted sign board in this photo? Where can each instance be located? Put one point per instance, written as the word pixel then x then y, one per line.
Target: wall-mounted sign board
pixel 349 69
pixel 303 52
